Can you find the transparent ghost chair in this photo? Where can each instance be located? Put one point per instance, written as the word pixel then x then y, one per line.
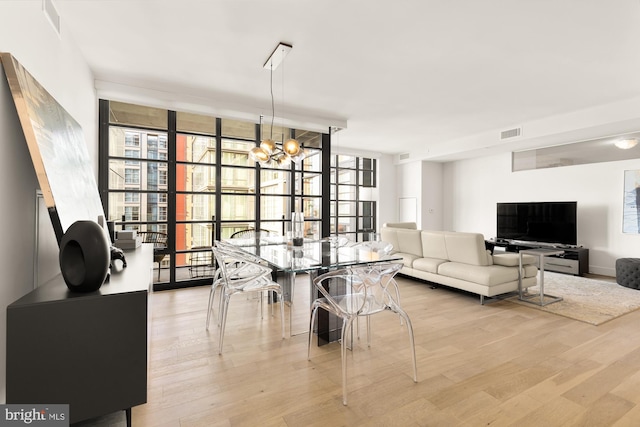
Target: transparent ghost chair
pixel 356 292
pixel 238 272
pixel 235 270
pixel 378 249
pixel 371 248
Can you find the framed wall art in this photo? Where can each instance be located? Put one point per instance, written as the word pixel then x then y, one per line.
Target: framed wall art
pixel 58 151
pixel 631 204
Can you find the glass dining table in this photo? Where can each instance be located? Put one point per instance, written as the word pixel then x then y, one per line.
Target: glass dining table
pixel 314 257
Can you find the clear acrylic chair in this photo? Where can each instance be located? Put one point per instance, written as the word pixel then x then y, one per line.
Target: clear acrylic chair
pixel 234 272
pixel 238 272
pixel 379 249
pixel 355 292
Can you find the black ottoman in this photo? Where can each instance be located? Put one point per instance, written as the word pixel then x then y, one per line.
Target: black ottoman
pixel 628 272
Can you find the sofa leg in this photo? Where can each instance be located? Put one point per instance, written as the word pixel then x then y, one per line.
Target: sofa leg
pixel 481 299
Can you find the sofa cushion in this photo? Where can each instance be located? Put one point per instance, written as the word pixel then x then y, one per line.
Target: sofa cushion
pixel 407 259
pixel 390 235
pixel 489 275
pixel 467 248
pixel 403 240
pixel 530 270
pixel 512 259
pixel 408 242
pixel 433 245
pixel 429 265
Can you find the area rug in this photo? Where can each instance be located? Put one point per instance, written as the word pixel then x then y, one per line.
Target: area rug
pixel 587 300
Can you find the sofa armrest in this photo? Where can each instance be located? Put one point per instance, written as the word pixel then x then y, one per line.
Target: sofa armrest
pixel 512 259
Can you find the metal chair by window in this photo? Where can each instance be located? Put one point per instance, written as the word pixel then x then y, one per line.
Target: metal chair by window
pixel 356 292
pixel 251 232
pixel 159 241
pixel 201 263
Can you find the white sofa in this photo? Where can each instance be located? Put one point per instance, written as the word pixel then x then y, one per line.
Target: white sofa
pixel 458 260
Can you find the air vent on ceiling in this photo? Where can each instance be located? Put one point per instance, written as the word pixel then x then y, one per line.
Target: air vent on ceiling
pixel 511 133
pixel 405 156
pixel 52 14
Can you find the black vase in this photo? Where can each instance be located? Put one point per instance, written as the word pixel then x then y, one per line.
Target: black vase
pixel 84 256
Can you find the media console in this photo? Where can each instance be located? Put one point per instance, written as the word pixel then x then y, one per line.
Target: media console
pixel 86 350
pixel 574 260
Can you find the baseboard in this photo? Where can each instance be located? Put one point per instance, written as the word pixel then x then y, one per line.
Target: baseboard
pixel 602 271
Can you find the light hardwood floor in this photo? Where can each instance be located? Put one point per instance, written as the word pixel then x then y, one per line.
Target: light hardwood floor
pixel 500 364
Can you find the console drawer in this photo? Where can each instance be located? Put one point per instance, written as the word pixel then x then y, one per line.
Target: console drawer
pixel 561 265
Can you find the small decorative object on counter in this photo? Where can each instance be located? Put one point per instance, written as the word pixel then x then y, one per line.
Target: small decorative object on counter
pixel 117 253
pixel 84 256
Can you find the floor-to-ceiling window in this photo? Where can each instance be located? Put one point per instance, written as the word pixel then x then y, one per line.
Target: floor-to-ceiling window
pixel 195 197
pixel 308 186
pixel 189 176
pixel 136 170
pixel 353 203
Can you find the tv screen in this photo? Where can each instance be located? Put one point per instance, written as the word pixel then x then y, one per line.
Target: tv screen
pixel 542 222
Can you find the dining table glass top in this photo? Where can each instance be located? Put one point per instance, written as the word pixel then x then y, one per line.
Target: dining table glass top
pixel 312 255
pixel 308 261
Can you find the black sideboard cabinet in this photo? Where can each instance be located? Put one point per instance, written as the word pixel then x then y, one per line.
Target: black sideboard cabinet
pixel 88 350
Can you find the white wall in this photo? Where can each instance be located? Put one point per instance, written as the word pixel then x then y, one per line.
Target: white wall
pixel 409 190
pixel 431 192
pixel 473 187
pixel 17 216
pixel 57 64
pixel 420 181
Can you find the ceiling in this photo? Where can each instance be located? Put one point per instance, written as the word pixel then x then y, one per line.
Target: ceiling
pixel 404 75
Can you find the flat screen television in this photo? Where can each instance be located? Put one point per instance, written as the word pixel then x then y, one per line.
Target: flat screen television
pixel 541 222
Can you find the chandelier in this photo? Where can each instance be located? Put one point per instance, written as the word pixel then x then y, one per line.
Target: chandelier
pixel 269 153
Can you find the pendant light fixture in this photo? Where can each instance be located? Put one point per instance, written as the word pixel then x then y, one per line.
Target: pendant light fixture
pixel 268 153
